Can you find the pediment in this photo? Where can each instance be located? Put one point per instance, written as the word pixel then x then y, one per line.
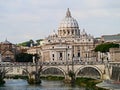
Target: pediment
pixel 8 52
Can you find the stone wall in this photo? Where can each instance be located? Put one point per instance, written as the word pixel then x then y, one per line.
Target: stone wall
pixel 115 54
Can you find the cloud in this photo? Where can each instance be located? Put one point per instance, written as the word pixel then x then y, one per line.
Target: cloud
pixel 37 18
pixel 97 13
pixel 93 3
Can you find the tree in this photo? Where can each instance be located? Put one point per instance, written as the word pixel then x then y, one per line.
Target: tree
pixel 26 43
pixel 72 75
pixel 24 57
pixel 105 47
pixel 3 72
pixel 38 41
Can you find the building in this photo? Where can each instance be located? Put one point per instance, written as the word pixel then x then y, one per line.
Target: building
pixel 111 38
pixel 115 54
pixel 69 43
pixel 8 51
pixel 33 50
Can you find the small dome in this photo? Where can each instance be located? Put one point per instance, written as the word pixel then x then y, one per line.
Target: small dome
pixel 6 42
pixel 68 21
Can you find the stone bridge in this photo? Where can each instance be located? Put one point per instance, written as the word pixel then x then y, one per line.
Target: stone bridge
pixel 92 69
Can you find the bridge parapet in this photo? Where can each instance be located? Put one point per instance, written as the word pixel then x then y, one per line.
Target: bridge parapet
pixel 50 63
pixel 17 68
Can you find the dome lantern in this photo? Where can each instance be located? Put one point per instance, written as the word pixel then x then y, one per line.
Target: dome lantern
pixel 68 13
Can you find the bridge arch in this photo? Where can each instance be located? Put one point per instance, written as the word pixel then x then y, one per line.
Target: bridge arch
pixel 56 68
pixel 86 71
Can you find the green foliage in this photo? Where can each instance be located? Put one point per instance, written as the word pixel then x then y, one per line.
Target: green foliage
pixel 38 41
pixel 24 57
pixel 105 47
pixel 50 77
pixel 2 82
pixel 88 82
pixel 71 74
pixel 32 81
pixel 27 43
pixel 17 77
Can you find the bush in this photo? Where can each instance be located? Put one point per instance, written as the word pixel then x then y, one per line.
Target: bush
pixel 33 81
pixel 50 77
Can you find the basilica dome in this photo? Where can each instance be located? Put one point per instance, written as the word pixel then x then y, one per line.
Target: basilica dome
pixel 68 26
pixel 68 21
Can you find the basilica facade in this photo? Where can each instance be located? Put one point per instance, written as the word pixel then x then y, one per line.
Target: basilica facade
pixel 68 43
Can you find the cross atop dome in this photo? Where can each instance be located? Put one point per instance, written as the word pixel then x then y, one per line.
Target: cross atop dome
pixel 68 13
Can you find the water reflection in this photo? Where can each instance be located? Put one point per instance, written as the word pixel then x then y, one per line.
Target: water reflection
pixel 13 82
pixel 46 85
pixel 20 84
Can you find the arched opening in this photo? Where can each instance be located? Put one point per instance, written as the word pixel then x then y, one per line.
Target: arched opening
pixel 89 72
pixel 53 71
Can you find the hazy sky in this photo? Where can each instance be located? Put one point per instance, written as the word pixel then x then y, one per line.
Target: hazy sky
pixel 22 20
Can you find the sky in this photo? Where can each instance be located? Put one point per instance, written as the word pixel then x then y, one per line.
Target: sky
pixel 22 20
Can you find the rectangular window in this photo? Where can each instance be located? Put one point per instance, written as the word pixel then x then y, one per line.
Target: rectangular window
pixel 60 57
pixel 68 55
pixel 78 54
pixel 60 54
pixel 52 55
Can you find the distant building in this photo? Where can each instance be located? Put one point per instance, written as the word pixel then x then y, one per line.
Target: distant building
pixel 111 38
pixel 22 49
pixel 115 54
pixel 33 50
pixel 8 51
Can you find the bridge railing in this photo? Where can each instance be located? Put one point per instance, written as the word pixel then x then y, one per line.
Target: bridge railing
pixel 52 63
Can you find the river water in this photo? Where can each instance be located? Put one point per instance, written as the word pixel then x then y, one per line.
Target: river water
pixel 109 85
pixel 20 84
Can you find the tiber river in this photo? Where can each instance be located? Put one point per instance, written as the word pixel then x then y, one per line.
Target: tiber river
pixel 20 84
